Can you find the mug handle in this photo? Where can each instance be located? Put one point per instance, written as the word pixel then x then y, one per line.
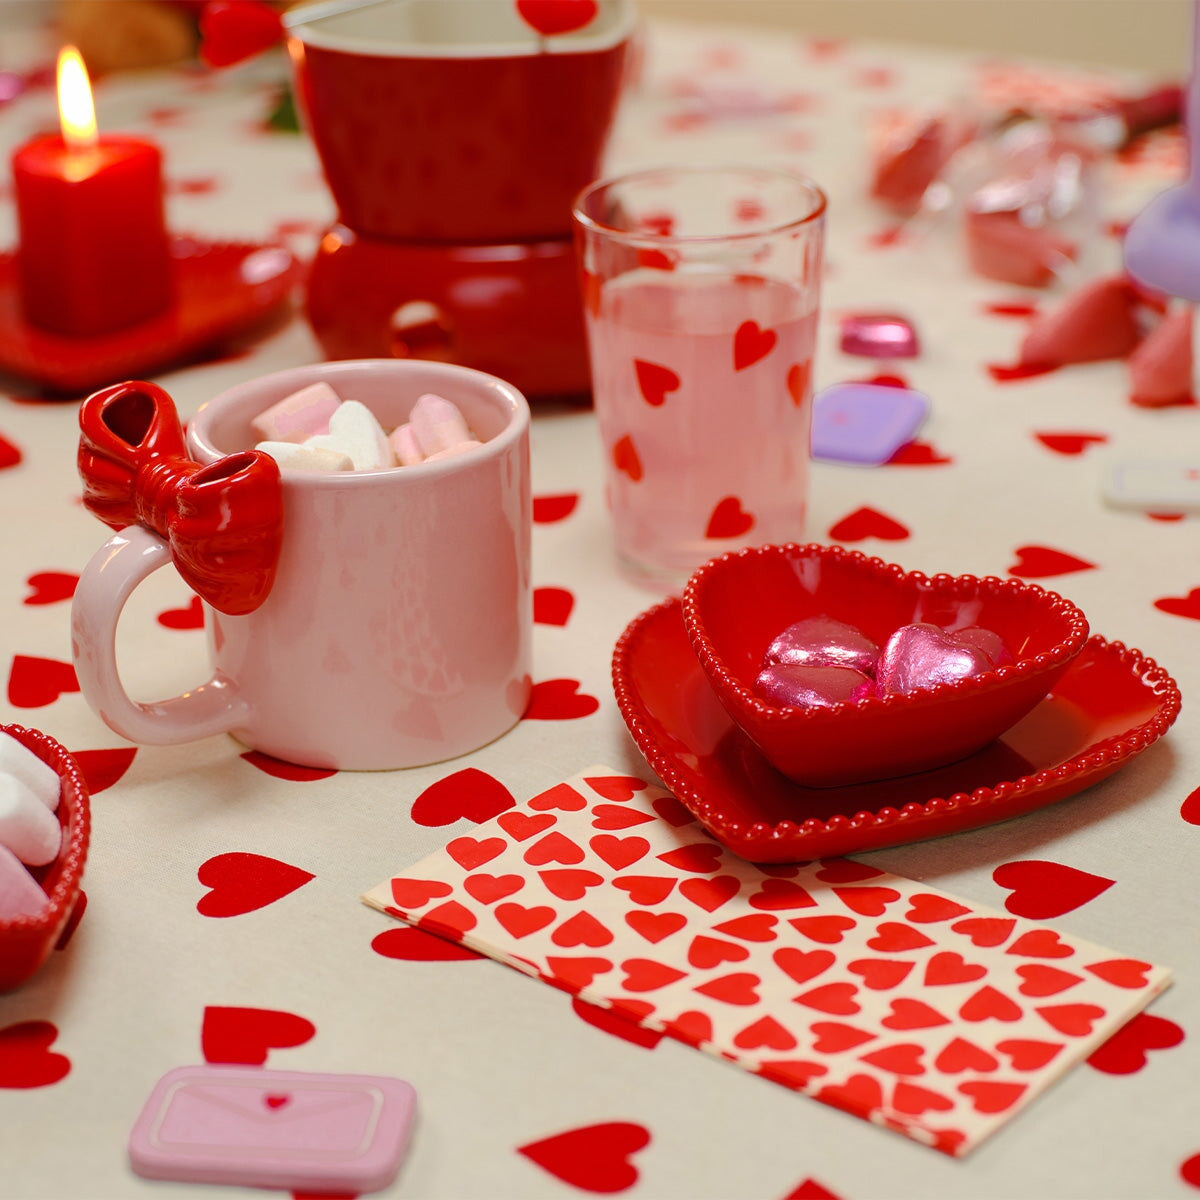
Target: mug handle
pixel 106 584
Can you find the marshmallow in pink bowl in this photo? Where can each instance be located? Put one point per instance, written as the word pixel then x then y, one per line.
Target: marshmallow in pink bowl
pixel 314 429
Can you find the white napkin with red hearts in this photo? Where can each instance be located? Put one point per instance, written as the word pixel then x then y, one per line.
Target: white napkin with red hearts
pixel 882 996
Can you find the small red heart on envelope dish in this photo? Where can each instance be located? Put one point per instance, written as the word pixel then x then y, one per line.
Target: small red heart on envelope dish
pixel 735 606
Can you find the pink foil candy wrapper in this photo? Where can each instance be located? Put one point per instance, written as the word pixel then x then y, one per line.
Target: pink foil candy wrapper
pixel 823 641
pixel 923 655
pixel 797 686
pixel 1035 209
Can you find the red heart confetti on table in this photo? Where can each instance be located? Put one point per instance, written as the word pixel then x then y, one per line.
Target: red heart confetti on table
pixel 415 945
pixel 240 882
pixel 102 768
pixel 595 1158
pixel 552 605
pixel 26 1060
pixel 1126 1051
pixel 277 768
pixel 616 1024
pixel 810 1189
pixel 559 700
pixel 751 344
pixel 1070 443
pixel 551 17
pixel 729 519
pixel 36 682
pixel 50 587
pixel 470 793
pixel 1181 606
pixel 940 1011
pixel 1043 889
pixel 865 523
pixel 919 454
pixel 549 509
pixel 655 382
pixel 190 616
pixel 10 454
pixel 1040 562
pixel 248 1035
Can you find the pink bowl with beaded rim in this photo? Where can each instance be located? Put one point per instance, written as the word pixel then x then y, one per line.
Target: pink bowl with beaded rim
pixel 733 606
pixel 26 942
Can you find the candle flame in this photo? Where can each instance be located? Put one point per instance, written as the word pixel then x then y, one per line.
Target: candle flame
pixel 76 112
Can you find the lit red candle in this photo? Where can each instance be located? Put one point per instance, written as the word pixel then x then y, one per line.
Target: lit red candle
pixel 93 254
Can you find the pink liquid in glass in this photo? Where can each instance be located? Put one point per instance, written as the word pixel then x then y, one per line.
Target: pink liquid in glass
pixel 702 394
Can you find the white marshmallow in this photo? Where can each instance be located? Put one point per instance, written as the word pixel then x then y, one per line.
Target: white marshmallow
pixel 354 430
pixel 453 451
pixel 20 895
pixel 306 457
pixel 39 777
pixel 27 827
pixel 437 424
pixel 298 416
pixel 404 446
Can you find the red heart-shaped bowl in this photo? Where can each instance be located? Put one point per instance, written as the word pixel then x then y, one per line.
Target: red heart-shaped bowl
pixel 26 942
pixel 733 606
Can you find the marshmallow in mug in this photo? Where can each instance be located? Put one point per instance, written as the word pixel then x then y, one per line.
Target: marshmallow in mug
pixel 30 834
pixel 315 430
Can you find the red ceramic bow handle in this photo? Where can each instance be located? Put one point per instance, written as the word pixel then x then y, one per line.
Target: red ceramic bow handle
pixel 222 522
pixel 232 31
pixel 550 17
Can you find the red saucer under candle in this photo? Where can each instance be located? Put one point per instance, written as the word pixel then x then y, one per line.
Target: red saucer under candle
pixel 93 252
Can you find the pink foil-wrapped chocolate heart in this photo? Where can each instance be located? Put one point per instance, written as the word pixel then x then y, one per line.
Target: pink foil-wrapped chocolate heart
pixel 798 686
pixel 924 656
pixel 988 641
pixel 823 642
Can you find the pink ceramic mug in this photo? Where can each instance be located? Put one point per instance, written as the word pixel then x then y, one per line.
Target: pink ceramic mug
pixel 398 630
pixel 454 120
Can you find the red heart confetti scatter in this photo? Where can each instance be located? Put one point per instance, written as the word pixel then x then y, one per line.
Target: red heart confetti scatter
pixel 559 700
pixel 1041 562
pixel 292 772
pixel 50 587
pixel 37 682
pixel 248 1035
pixel 1047 889
pixel 190 616
pixel 1126 1051
pixel 470 793
pixel 866 523
pixel 595 1158
pixel 26 1060
pixel 1181 606
pixel 552 605
pixel 910 1007
pixel 415 945
pixel 102 768
pixel 549 509
pixel 239 883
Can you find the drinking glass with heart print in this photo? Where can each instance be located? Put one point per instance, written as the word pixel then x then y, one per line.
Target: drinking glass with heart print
pixel 701 289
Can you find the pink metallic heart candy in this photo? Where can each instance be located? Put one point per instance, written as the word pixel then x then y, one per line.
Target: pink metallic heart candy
pixel 870 335
pixel 924 656
pixel 823 642
pixel 796 686
pixel 990 643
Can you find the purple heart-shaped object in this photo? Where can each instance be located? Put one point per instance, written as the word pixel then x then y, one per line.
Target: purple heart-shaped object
pixel 796 686
pixel 925 656
pixel 823 642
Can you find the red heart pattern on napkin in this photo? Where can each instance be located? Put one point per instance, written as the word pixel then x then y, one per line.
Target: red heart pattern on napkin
pixel 903 1005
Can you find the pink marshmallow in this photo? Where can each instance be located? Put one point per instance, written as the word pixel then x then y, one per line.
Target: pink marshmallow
pixel 452 451
pixel 39 777
pixel 298 416
pixel 404 446
pixel 20 895
pixel 437 424
pixel 27 827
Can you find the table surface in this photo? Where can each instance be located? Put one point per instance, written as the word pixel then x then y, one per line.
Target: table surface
pixel 499 1061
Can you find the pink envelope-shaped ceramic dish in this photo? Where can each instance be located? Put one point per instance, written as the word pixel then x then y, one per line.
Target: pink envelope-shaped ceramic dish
pixel 733 607
pixel 249 1126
